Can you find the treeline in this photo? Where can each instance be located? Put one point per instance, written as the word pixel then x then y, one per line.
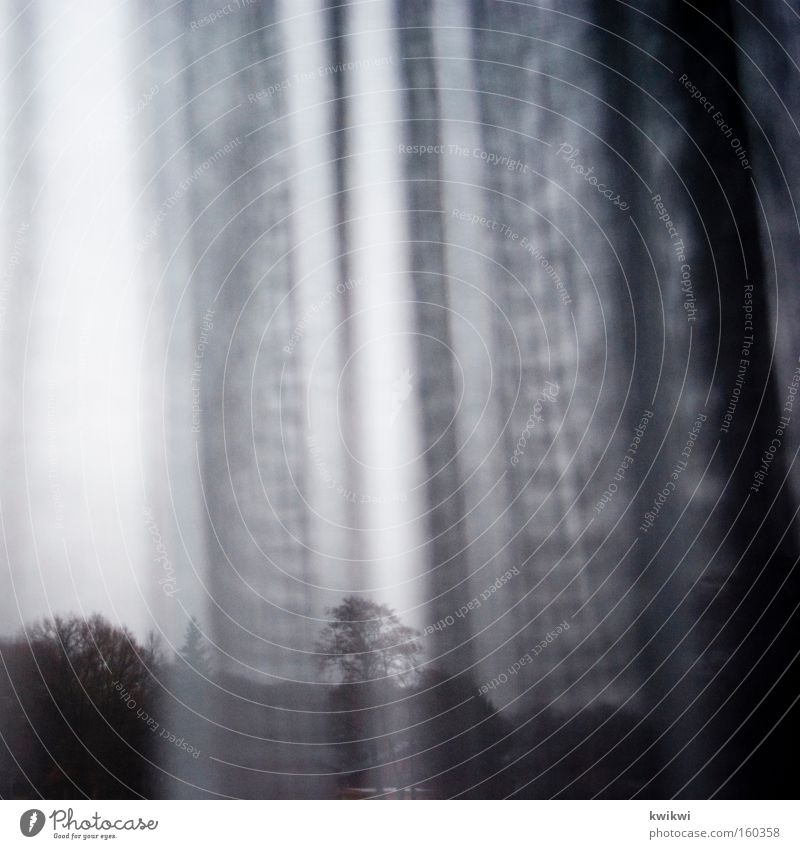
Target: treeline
pixel 87 709
pixel 66 731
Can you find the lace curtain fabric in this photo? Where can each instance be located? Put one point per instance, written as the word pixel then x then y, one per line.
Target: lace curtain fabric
pixel 482 312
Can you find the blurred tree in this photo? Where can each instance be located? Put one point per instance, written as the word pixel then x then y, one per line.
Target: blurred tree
pixel 81 696
pixel 194 651
pixel 365 641
pixel 90 656
pixel 373 657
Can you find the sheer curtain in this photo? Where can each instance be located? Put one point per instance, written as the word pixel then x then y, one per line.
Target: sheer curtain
pixel 479 311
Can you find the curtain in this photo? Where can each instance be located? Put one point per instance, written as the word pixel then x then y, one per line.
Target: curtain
pixel 420 376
